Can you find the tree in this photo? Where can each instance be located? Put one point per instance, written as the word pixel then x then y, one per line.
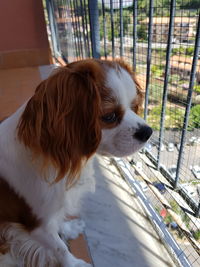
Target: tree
pixel 157 70
pixel 116 20
pixel 193 4
pixel 174 78
pixel 142 32
pixel 189 51
pixel 194 119
pixel 197 235
pixel 197 88
pixel 185 51
pixel 173 117
pixel 143 5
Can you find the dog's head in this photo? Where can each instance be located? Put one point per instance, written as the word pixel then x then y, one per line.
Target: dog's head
pixel 86 107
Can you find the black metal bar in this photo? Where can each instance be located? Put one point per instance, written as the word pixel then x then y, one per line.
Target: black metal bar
pixel 74 28
pixel 94 27
pixel 81 28
pixel 112 28
pixel 104 29
pixel 121 34
pixel 135 10
pixel 83 16
pixel 167 68
pixel 65 55
pixel 151 10
pixel 189 100
pixel 69 53
pixel 197 214
pixel 53 27
pixel 87 30
pixel 78 28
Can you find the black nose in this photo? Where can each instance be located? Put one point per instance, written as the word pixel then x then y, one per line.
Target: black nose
pixel 143 133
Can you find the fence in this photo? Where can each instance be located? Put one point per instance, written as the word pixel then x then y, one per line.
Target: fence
pixel 161 40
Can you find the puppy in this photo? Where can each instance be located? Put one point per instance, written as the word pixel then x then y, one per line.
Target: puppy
pixel 46 152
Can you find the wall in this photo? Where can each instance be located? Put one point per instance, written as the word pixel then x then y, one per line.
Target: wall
pixel 24 40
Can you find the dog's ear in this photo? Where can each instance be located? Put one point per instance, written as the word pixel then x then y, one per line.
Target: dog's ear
pixel 61 121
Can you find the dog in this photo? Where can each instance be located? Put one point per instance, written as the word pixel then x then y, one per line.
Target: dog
pixel 46 151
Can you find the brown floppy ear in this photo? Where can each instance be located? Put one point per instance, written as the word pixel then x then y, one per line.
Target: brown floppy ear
pixel 61 121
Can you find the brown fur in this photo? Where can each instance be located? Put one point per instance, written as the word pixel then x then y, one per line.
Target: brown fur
pixel 14 209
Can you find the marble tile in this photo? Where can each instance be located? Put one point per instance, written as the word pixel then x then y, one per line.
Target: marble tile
pixel 118 231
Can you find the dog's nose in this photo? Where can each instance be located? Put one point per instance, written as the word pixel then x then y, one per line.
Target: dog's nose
pixel 143 133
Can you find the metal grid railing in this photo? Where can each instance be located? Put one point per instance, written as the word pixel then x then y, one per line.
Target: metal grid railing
pixel 161 40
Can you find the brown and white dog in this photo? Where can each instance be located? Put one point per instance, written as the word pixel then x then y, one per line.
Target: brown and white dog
pixel 46 152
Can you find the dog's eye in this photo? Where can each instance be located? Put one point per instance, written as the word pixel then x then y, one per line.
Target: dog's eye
pixel 109 118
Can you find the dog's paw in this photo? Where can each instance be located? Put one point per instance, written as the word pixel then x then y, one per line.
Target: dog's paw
pixel 71 229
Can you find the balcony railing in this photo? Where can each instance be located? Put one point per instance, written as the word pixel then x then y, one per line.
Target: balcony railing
pixel 161 40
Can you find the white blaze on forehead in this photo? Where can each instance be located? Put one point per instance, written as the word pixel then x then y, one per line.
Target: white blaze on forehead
pixel 122 85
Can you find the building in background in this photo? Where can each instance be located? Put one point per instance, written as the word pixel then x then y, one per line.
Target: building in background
pixel 184 29
pixel 182 65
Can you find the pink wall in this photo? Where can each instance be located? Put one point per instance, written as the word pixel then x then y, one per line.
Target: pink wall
pixel 22 25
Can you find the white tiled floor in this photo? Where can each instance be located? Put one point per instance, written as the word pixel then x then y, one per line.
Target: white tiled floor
pixel 118 232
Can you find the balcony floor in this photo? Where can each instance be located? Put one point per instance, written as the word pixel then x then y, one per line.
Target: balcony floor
pixel 118 231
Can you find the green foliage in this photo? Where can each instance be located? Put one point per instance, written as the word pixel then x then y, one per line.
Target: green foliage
pixel 173 117
pixel 197 235
pixel 159 53
pixel 175 207
pixel 162 6
pixel 193 4
pixel 155 96
pixel 188 51
pixel 154 118
pixel 179 50
pixel 142 32
pixel 168 219
pixel 144 5
pixel 194 119
pixel 186 219
pixel 157 70
pixel 174 78
pixel 197 88
pixel 116 21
